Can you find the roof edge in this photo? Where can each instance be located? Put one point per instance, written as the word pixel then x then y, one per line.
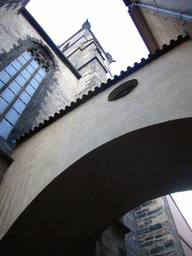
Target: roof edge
pixel 151 57
pixel 49 41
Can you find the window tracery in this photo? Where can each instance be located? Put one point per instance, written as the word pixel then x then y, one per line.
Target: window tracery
pixel 18 83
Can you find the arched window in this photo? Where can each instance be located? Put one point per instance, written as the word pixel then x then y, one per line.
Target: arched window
pixel 18 83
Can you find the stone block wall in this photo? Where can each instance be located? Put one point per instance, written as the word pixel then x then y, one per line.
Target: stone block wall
pixel 153 232
pixel 62 84
pixel 56 90
pixel 111 243
pixel 90 63
pixel 12 5
pixel 130 238
pixel 85 53
pixel 156 233
pixel 75 41
pixel 93 75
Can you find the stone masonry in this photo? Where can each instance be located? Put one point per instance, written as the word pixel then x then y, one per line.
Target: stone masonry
pixel 88 57
pixel 155 229
pixel 111 243
pixel 153 233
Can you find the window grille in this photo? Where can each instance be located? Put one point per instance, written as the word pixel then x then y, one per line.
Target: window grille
pixel 18 83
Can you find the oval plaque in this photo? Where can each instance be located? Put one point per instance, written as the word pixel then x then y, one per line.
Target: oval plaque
pixel 122 90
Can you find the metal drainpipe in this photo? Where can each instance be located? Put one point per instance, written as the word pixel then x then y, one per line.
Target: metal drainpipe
pixel 179 15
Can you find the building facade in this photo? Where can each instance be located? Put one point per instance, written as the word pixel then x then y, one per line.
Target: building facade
pixel 54 109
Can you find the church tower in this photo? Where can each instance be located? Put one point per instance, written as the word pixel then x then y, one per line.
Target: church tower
pixel 86 54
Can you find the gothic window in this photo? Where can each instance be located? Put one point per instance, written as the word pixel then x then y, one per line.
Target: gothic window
pixel 18 83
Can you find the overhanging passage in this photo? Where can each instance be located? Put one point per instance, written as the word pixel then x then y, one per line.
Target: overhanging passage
pixel 103 185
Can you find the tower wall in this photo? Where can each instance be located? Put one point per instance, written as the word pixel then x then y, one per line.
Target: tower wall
pixel 87 55
pixel 55 92
pixel 155 229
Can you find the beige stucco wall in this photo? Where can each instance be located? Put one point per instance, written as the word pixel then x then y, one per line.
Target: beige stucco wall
pixel 163 93
pixel 15 29
pixel 184 230
pixel 165 27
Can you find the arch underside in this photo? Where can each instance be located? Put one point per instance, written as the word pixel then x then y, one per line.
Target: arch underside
pixel 103 185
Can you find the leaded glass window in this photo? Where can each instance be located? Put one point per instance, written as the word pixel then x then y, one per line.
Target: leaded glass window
pixel 18 83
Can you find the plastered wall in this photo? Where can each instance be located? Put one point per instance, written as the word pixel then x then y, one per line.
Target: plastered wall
pixel 183 229
pixel 165 27
pixel 163 93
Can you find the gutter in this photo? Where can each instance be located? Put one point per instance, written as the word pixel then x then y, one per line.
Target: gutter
pixel 48 40
pixel 179 15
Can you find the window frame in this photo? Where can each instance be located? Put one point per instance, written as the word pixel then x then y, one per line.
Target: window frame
pixel 27 121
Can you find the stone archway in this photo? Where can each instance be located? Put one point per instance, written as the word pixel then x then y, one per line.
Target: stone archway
pixel 105 184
